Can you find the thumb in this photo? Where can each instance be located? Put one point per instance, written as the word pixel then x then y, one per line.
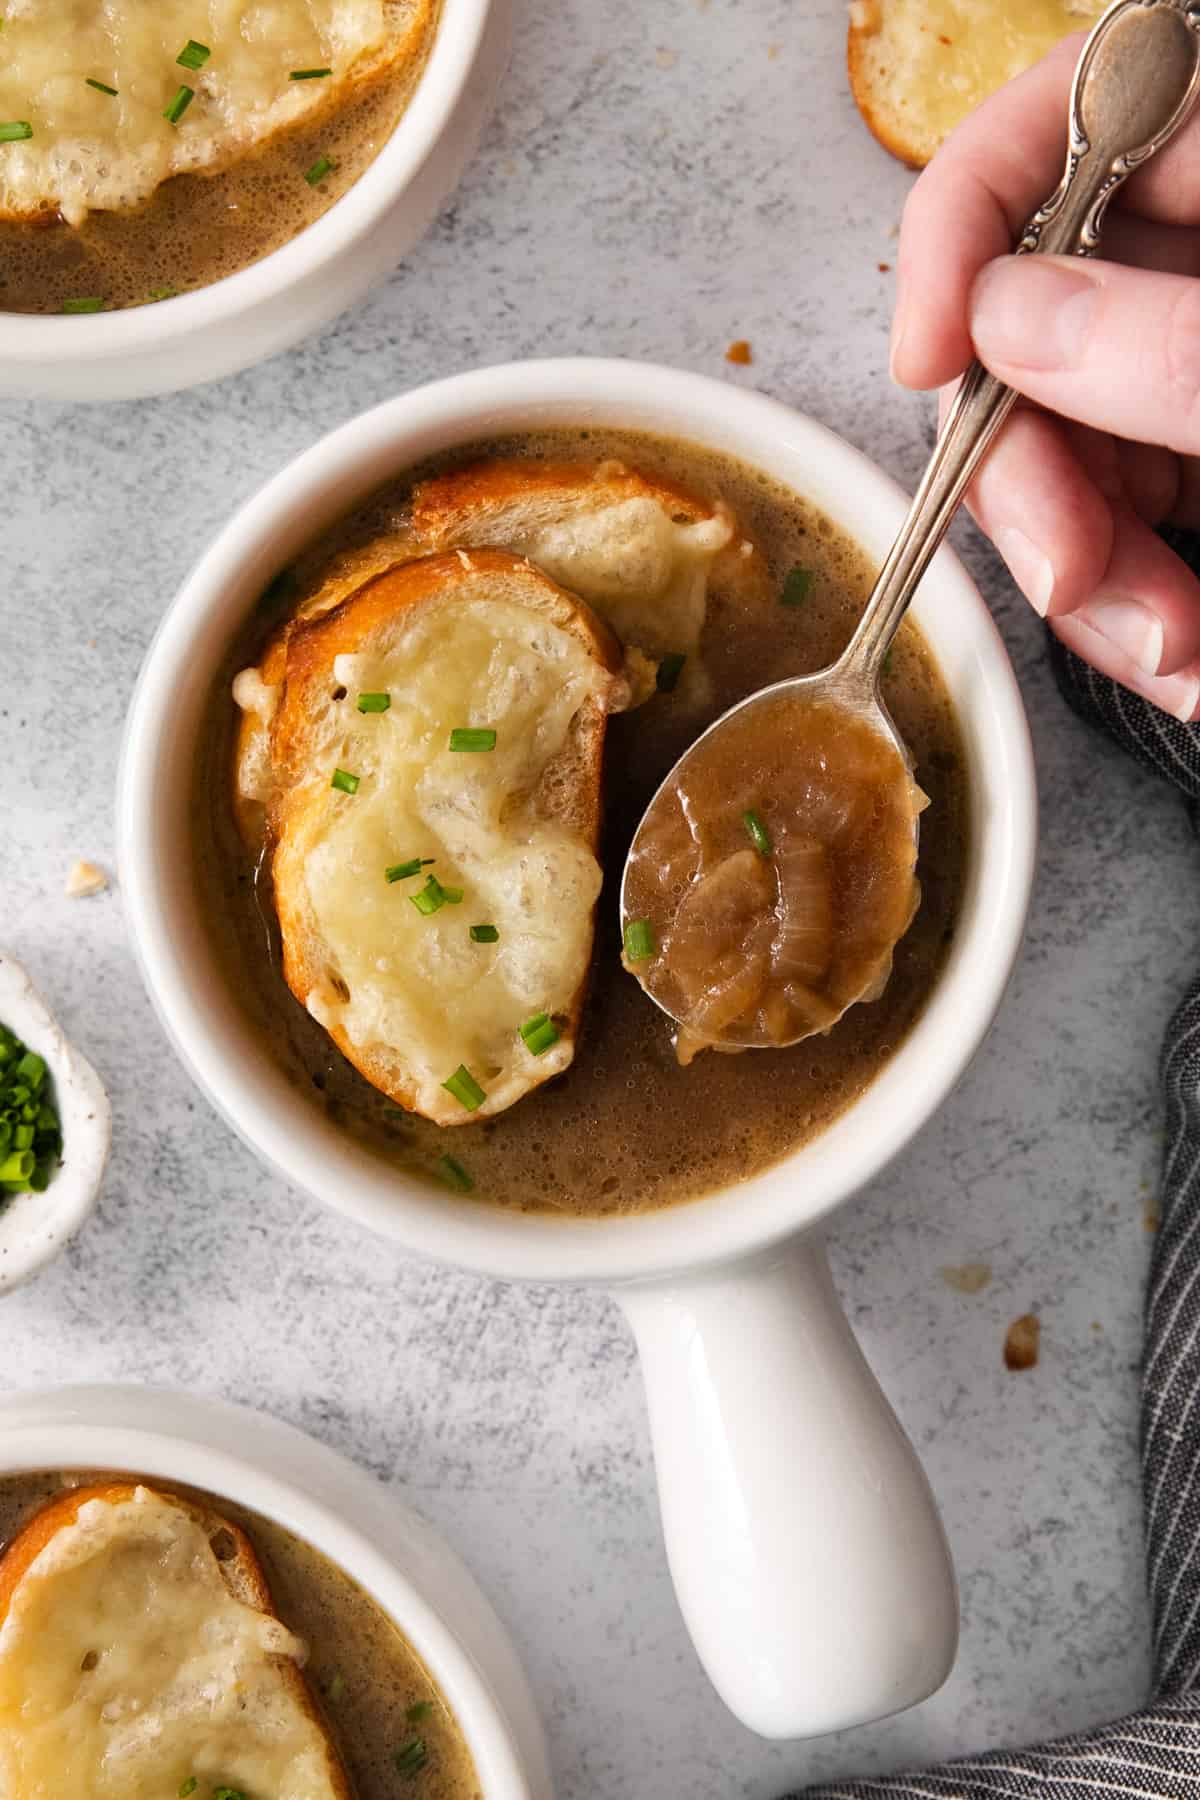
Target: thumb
pixel 1116 348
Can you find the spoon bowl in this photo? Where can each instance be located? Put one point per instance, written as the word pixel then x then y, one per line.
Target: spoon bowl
pixel 1135 83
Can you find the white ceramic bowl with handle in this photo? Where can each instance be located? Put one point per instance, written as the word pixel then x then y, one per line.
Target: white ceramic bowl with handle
pixel 806 1548
pixel 212 331
pixel 290 1479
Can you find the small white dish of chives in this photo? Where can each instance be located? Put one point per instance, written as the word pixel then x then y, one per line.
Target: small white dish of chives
pixel 58 1131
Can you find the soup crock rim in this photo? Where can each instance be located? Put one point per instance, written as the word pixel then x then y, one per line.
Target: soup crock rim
pixel 711 1232
pixel 237 1453
pixel 97 337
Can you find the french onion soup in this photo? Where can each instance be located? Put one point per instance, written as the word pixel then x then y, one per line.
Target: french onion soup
pixel 148 150
pixel 157 1641
pixel 773 876
pixel 450 715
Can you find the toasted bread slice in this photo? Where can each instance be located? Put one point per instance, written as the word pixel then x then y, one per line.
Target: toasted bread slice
pixel 139 1650
pixel 638 550
pixel 479 641
pixel 918 67
pixel 92 149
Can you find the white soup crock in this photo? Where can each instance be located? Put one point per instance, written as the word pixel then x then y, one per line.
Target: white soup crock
pixel 806 1549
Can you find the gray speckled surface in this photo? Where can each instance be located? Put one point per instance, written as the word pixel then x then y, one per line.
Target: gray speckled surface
pixel 650 186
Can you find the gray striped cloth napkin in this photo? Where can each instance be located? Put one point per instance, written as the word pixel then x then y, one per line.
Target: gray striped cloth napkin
pixel 1153 1754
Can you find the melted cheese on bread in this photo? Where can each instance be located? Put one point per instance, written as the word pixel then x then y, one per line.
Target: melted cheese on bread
pixel 94 150
pixel 638 551
pixel 918 67
pixel 455 642
pixel 127 1666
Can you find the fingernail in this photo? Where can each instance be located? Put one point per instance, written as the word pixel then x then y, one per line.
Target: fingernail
pixel 897 338
pixel 1178 695
pixel 1031 570
pixel 1130 627
pixel 1031 314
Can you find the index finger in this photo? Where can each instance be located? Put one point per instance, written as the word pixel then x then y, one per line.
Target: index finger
pixel 967 208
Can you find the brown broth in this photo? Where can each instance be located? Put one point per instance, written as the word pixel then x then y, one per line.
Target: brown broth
pixel 195 229
pixel 626 1129
pixel 363 1672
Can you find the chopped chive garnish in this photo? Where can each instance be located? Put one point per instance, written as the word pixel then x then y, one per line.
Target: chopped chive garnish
pixel 402 871
pixel 309 74
pixel 669 671
pixel 758 834
pixel 89 303
pixel 188 1787
pixel 452 896
pixel 30 1134
pixel 411 1758
pixel 14 130
pixel 178 104
pixel 17 1166
pixel 885 667
pixel 452 1172
pixel 345 783
pixel 162 293
pixel 431 898
pixel 639 940
pixel 337 1686
pixel 373 702
pixel 797 587
pixel 484 934
pixel 101 87
pixel 227 1793
pixel 423 1709
pixel 319 170
pixel 193 55
pixel 539 1033
pixel 466 1090
pixel 465 737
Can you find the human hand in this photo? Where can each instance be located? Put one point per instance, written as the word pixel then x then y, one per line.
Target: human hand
pixel 1107 352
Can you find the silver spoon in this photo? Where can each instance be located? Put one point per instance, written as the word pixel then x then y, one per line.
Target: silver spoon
pixel 1136 80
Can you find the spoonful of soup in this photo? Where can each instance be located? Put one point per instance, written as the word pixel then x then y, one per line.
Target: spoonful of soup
pixel 774 871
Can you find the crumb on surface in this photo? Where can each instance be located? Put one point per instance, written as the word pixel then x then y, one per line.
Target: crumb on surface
pixel 1022 1341
pixel 773 51
pixel 666 59
pixel 967 1278
pixel 884 268
pixel 739 351
pixel 84 878
pixel 1151 1217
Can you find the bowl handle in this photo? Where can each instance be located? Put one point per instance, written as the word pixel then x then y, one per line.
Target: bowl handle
pixel 804 1540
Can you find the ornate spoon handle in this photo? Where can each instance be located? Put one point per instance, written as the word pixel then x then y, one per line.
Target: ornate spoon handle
pixel 1135 83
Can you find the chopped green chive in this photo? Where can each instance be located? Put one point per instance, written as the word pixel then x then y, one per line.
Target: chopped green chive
pixel 101 87
pixel 423 1709
pixel 30 1135
pixel 669 670
pixel 228 1793
pixel 90 303
pixel 345 783
pixel 484 934
pixel 337 1686
pixel 178 104
pixel 319 170
pixel 466 738
pixel 431 898
pixel 539 1033
pixel 193 55
pixel 757 832
pixel 188 1787
pixel 797 587
pixel 309 74
pixel 466 1090
pixel 885 668
pixel 639 940
pixel 452 1172
pixel 373 702
pixel 14 130
pixel 162 293
pixel 402 871
pixel 17 1166
pixel 411 1758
